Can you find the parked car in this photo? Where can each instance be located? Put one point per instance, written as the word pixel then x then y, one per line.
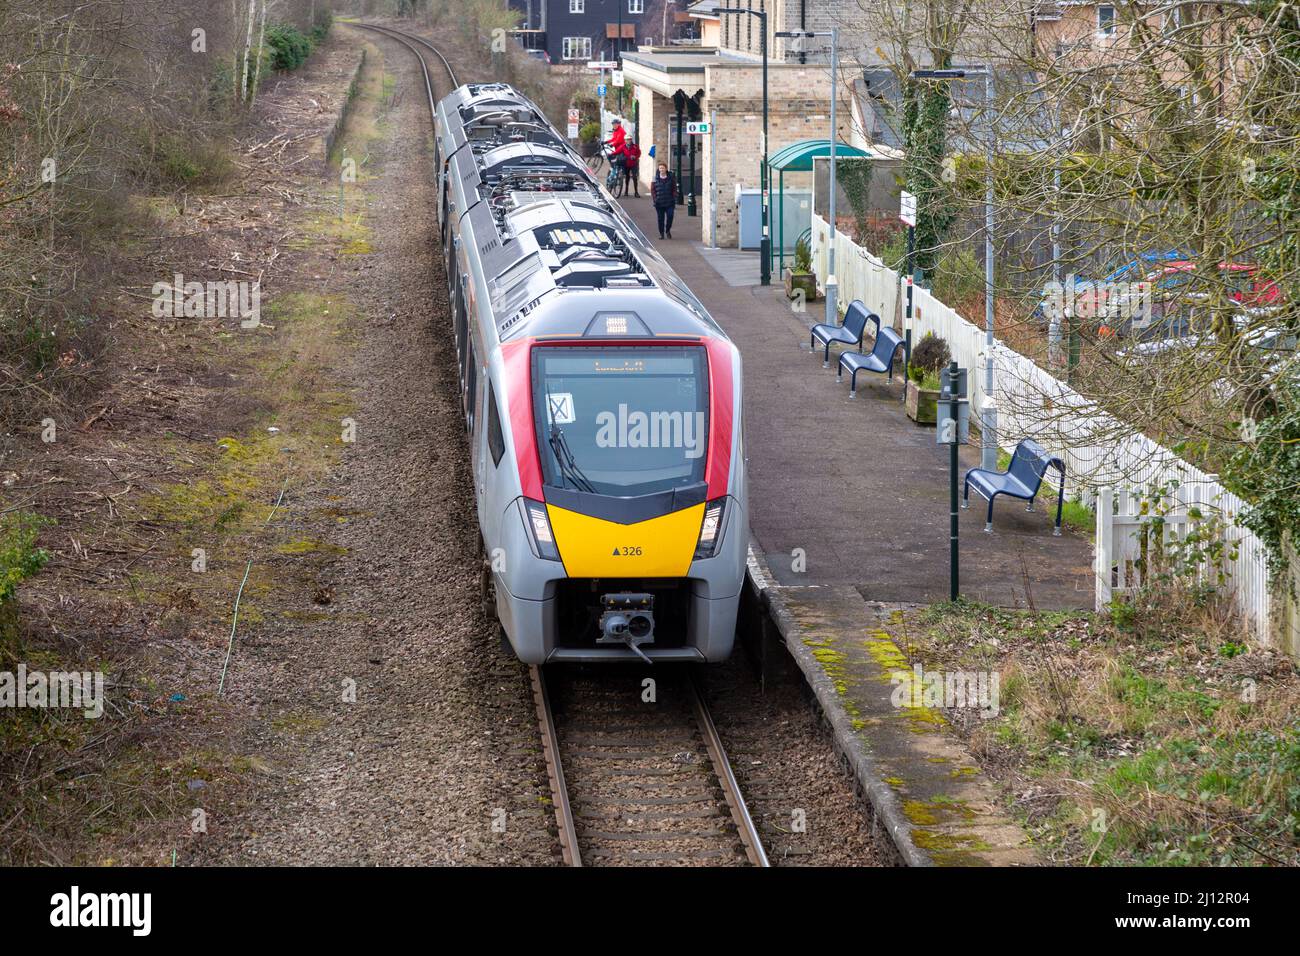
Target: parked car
pixel 1092 296
pixel 1177 303
pixel 1166 302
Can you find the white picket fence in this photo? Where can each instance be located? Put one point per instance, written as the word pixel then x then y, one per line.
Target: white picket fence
pixel 1099 450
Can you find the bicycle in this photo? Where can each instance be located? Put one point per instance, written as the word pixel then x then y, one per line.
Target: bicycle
pixel 603 156
pixel 598 159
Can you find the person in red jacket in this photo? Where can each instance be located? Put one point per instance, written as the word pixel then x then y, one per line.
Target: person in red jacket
pixel 631 156
pixel 617 137
pixel 617 140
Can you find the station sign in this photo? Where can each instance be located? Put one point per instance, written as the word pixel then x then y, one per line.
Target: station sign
pixel 697 129
pixel 907 209
pixel 601 64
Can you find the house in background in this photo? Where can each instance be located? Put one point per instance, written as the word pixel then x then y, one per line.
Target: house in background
pixel 575 31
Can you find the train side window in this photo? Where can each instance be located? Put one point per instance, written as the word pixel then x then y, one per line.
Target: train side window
pixel 471 385
pixel 496 439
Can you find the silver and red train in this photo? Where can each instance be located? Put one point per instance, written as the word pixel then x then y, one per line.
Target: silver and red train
pixel 602 403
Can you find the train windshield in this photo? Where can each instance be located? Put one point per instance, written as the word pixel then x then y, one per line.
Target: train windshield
pixel 621 420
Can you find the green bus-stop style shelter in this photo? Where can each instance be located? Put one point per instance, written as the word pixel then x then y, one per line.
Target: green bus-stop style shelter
pixel 798 158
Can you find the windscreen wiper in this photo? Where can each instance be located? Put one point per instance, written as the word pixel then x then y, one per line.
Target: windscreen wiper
pixel 568 466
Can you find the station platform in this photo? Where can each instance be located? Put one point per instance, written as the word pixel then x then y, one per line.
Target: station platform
pixel 858 488
pixel 849 512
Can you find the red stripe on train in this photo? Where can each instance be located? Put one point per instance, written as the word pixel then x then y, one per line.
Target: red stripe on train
pixel 518 372
pixel 717 471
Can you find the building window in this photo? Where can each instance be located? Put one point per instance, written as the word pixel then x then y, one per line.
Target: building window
pixel 576 48
pixel 577 6
pixel 1106 20
pixel 636 6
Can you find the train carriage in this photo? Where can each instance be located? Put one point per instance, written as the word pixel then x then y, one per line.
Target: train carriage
pixel 602 403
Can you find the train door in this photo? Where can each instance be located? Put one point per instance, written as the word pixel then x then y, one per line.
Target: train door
pixel 446 199
pixel 471 390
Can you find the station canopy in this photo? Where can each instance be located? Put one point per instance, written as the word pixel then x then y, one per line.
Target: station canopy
pixel 798 157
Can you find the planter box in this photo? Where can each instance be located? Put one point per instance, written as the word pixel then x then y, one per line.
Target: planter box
pixel 922 404
pixel 801 280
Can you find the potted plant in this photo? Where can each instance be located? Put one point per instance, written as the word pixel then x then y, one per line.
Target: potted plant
pixel 928 357
pixel 589 139
pixel 800 275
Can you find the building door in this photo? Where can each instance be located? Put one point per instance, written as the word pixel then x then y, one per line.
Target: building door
pixel 685 149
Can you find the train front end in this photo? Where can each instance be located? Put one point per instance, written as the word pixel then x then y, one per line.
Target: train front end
pixel 633 510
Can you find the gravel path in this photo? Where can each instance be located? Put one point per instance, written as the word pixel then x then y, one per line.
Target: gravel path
pixel 441 737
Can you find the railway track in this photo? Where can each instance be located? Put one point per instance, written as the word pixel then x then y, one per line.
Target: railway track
pixel 413 43
pixel 638 773
pixel 636 777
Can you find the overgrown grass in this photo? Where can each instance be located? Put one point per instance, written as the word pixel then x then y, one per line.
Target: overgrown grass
pixel 1156 736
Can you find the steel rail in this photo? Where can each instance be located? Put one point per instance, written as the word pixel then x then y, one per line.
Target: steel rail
pixel 406 40
pixel 730 788
pixel 555 770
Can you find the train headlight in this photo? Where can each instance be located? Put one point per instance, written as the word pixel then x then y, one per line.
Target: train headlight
pixel 711 529
pixel 539 528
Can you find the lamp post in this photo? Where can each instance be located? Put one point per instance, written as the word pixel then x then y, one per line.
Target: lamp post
pixel 988 416
pixel 832 285
pixel 765 244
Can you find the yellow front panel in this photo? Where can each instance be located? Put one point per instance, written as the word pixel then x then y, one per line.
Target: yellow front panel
pixel 594 548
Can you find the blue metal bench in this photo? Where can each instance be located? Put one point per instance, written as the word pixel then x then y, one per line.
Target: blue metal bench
pixel 850 333
pixel 879 359
pixel 1022 480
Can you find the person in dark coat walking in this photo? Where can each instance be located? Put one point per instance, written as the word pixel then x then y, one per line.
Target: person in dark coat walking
pixel 663 193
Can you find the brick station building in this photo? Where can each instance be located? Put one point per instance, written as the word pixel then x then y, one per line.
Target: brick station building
pixel 728 79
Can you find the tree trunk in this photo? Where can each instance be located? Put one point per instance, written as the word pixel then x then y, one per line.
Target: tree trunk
pixel 257 69
pixel 248 46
